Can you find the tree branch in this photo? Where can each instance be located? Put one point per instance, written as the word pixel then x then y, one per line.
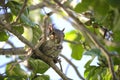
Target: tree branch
pixel 21 11
pixel 46 59
pixel 10 43
pixel 50 62
pixel 37 6
pixel 82 28
pixel 72 42
pixel 7 26
pixel 74 67
pixel 12 51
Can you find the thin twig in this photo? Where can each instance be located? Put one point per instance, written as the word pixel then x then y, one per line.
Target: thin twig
pixel 82 28
pixel 67 68
pixel 76 42
pixel 26 57
pixel 59 61
pixel 46 59
pixel 50 62
pixel 72 42
pixel 74 67
pixel 10 43
pixel 7 26
pixel 37 6
pixel 45 24
pixel 21 11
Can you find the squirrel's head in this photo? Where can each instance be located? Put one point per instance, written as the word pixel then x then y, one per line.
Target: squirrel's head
pixel 55 34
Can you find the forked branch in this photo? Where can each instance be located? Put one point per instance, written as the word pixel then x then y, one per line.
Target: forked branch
pixel 80 26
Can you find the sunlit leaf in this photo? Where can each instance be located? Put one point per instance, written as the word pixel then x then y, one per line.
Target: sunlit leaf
pixel 108 74
pixel 77 51
pixel 28 33
pixel 89 72
pixel 71 35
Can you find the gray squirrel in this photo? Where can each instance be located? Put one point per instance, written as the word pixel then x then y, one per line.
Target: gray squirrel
pixel 53 45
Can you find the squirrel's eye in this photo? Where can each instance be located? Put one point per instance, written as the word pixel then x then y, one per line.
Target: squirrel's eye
pixel 53 33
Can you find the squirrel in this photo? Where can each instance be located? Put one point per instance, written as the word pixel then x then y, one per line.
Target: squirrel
pixel 53 45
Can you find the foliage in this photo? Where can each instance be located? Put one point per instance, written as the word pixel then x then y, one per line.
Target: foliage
pixel 77 49
pixel 104 16
pixel 105 13
pixel 15 72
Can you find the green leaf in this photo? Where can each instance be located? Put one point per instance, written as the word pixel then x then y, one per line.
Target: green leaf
pixel 89 72
pixel 93 5
pixel 14 78
pixel 98 72
pixel 116 60
pixel 114 3
pixel 87 65
pixel 93 52
pixel 102 8
pixel 19 29
pixel 24 19
pixel 77 51
pixel 108 74
pixel 83 6
pixel 116 37
pixel 28 33
pixel 8 17
pixel 26 11
pixel 95 72
pixel 103 73
pixel 3 36
pixel 14 7
pixel 71 35
pixel 38 66
pixel 36 34
pixel 114 48
pixel 16 72
pixel 42 77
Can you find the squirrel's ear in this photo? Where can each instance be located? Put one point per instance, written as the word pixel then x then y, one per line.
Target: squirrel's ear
pixel 51 27
pixel 63 29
